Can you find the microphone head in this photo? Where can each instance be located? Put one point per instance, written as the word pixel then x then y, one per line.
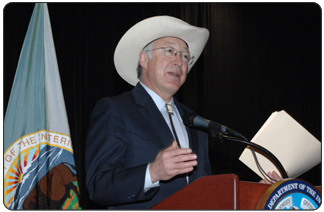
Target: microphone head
pixel 201 122
pixel 191 119
pixel 188 118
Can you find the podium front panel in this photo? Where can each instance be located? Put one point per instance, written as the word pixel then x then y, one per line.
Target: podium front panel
pixel 210 192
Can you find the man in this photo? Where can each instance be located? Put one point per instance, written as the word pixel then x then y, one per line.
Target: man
pixel 138 150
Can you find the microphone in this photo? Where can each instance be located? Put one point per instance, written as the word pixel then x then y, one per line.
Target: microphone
pixel 191 119
pixel 217 130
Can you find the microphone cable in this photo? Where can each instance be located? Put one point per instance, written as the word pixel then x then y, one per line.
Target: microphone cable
pixel 257 161
pixel 255 157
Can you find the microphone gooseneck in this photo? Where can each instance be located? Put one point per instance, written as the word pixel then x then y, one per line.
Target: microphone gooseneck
pixel 217 130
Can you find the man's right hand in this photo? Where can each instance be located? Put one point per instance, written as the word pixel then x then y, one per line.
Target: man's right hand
pixel 172 161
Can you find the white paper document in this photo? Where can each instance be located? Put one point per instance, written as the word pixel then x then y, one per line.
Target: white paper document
pixel 296 149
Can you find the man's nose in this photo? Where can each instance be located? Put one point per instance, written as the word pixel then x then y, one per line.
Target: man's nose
pixel 177 59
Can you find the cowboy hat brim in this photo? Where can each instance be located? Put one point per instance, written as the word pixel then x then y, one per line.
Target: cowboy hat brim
pixel 136 38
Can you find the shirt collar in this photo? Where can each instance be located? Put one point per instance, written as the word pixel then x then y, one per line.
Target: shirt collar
pixel 160 103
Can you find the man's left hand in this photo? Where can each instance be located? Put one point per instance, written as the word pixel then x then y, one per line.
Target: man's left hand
pixel 274 175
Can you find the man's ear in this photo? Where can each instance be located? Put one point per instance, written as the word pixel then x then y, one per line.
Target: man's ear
pixel 143 59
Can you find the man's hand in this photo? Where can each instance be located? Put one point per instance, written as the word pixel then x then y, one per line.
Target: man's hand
pixel 274 175
pixel 171 162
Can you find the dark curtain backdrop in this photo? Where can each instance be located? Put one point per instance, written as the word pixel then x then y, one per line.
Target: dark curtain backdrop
pixel 260 57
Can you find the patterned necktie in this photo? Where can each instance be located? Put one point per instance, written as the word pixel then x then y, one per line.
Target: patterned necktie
pixel 169 110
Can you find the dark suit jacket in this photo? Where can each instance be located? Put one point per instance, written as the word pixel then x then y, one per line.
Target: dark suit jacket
pixel 126 133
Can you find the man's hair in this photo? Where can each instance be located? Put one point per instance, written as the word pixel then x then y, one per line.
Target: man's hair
pixel 149 54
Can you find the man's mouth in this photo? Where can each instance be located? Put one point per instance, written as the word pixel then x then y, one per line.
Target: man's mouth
pixel 174 74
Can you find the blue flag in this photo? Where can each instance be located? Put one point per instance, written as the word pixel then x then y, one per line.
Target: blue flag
pixel 39 167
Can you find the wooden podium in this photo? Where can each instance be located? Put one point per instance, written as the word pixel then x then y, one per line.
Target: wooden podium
pixel 216 192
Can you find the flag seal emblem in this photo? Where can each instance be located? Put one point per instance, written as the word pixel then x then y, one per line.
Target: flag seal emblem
pixel 39 152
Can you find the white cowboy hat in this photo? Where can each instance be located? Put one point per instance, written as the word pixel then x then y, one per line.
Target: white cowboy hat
pixel 136 38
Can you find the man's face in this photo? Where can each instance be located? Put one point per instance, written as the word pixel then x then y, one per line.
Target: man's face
pixel 162 74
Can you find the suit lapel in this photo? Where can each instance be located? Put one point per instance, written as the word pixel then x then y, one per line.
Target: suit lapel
pixel 193 139
pixel 154 118
pixel 192 135
pixel 152 115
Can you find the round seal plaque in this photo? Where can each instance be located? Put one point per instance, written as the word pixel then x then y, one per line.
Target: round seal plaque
pixel 290 194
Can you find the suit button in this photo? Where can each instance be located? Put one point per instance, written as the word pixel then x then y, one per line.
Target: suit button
pixel 131 197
